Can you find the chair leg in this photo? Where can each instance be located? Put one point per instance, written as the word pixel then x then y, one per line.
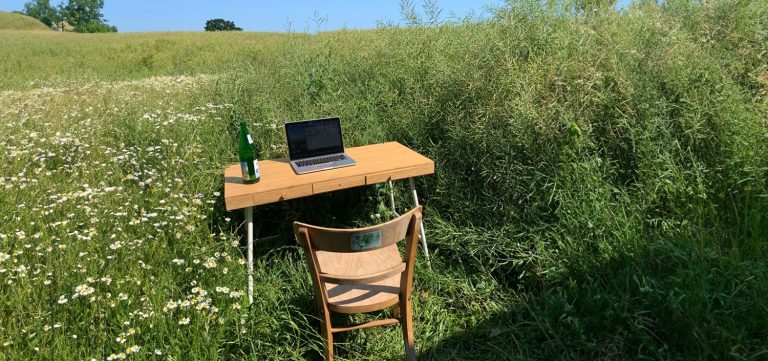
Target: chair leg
pixel 328 338
pixel 406 322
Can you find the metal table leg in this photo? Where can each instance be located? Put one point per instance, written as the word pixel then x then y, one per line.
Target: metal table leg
pixel 392 198
pixel 423 236
pixel 249 225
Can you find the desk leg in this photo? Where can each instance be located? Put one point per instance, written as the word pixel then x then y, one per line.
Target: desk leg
pixel 392 198
pixel 249 225
pixel 423 236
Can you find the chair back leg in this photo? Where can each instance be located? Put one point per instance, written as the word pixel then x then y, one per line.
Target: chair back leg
pixel 406 322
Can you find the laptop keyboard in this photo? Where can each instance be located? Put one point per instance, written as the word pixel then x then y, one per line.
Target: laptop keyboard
pixel 313 161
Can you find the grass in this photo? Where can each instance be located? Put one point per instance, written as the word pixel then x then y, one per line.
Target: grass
pixel 13 21
pixel 600 191
pixel 61 58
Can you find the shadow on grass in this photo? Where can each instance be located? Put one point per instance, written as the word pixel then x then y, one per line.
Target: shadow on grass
pixel 668 300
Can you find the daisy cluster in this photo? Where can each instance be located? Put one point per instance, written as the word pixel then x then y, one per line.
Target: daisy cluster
pixel 107 237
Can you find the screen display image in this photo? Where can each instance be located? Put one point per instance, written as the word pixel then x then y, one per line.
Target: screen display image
pixel 314 138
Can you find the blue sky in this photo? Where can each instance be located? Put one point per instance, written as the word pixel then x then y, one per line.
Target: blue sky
pixel 253 15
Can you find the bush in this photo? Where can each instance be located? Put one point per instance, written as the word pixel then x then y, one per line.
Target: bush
pixel 571 151
pixel 554 155
pixel 95 28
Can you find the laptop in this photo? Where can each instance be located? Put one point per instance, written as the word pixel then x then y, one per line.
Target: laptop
pixel 315 145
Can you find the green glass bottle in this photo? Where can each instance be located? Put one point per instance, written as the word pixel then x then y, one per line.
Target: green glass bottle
pixel 248 156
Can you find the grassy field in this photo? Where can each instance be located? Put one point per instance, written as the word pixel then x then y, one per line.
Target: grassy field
pixel 12 21
pixel 59 58
pixel 601 188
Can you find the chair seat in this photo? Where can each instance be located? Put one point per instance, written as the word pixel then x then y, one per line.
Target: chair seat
pixel 363 298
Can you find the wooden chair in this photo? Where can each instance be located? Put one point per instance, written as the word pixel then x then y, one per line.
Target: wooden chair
pixel 361 270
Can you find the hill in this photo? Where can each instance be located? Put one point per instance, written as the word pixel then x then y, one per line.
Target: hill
pixel 13 21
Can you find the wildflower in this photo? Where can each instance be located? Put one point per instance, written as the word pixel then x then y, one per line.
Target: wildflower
pixel 184 321
pixel 132 349
pixel 83 290
pixel 170 305
pixel 4 256
pixel 178 261
pixel 119 356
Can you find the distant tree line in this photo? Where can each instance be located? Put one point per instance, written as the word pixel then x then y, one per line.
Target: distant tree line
pixel 84 15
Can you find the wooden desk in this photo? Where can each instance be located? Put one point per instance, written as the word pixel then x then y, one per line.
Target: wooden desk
pixel 376 163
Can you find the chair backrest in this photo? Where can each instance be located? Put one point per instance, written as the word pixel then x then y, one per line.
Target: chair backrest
pixel 358 239
pixel 361 255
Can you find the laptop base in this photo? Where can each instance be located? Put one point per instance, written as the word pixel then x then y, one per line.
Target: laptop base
pixel 346 162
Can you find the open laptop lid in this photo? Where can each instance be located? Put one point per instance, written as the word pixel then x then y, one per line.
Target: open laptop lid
pixel 313 138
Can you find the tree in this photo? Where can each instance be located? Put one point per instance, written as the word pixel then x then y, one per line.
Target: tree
pixel 221 25
pixel 43 11
pixel 86 16
pixel 81 12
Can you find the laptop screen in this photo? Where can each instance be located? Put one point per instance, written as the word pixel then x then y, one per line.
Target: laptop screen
pixel 312 138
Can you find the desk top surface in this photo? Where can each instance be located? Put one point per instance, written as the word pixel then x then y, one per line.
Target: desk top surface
pixel 376 163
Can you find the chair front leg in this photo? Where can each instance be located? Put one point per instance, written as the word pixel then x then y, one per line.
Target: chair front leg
pixel 325 329
pixel 406 321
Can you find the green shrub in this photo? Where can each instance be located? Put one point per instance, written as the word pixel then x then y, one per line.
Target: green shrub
pixel 95 28
pixel 564 146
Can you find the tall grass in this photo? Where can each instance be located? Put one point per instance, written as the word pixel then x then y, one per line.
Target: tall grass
pixel 60 58
pixel 600 191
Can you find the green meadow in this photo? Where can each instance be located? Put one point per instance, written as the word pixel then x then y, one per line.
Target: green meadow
pixel 601 186
pixel 18 22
